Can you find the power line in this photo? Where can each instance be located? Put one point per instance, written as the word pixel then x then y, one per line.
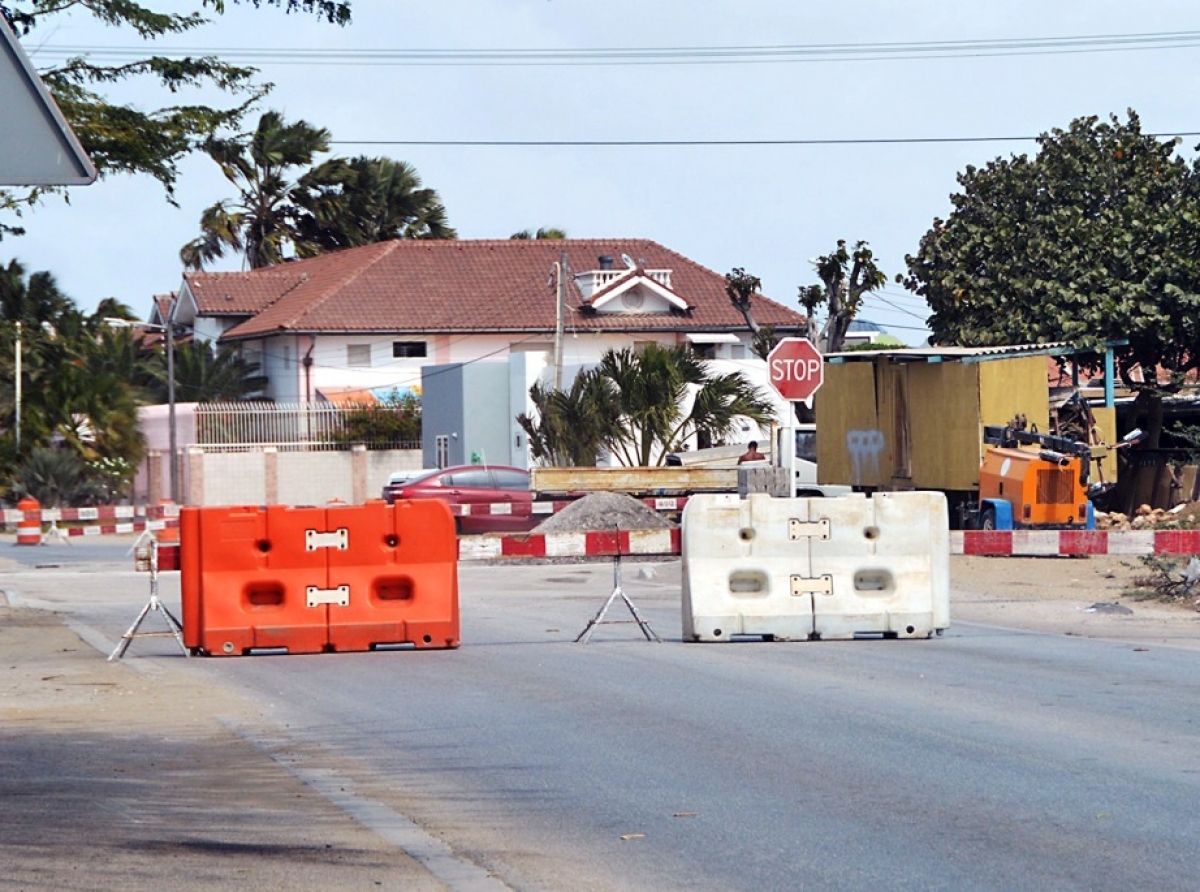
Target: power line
pixel 666 143
pixel 687 55
pixel 897 307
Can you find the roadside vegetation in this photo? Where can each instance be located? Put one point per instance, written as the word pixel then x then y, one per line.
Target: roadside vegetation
pixel 71 417
pixel 639 406
pixel 1174 579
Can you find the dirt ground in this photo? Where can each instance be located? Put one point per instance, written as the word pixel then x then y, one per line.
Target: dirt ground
pixel 1083 596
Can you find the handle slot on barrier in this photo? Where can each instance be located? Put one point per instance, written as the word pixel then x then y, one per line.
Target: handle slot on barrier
pixel 339 597
pixel 808 529
pixel 339 539
pixel 804 585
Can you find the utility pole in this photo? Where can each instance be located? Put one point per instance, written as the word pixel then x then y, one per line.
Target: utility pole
pixel 559 269
pixel 174 459
pixel 17 366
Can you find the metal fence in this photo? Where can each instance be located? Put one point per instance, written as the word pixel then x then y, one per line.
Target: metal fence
pixel 233 427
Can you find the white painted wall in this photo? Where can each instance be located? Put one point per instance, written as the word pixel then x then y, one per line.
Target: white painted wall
pixel 282 357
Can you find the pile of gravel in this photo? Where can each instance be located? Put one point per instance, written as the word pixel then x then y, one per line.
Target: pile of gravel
pixel 604 511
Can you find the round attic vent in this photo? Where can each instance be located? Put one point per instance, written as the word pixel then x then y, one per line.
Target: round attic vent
pixel 632 300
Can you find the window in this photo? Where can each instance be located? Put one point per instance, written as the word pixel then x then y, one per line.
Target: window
pixel 506 479
pixel 441 449
pixel 408 349
pixel 476 477
pixel 358 355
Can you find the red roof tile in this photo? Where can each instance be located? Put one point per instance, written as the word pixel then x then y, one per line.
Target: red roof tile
pixel 462 286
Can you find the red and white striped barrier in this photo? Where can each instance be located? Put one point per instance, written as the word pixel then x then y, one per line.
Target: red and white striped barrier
pixel 1054 543
pixel 125 519
pixel 1009 543
pixel 109 529
pixel 608 543
pixel 547 508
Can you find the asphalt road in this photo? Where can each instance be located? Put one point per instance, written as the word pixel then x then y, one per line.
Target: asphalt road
pixel 984 759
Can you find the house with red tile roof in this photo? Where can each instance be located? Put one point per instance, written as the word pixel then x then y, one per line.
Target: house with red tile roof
pixel 367 320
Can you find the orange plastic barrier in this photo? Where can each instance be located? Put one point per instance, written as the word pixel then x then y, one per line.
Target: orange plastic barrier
pixel 411 595
pixel 309 580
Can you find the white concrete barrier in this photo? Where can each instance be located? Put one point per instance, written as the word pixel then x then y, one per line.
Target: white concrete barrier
pixel 799 569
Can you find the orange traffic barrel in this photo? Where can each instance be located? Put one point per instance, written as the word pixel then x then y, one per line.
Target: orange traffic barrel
pixel 168 547
pixel 29 527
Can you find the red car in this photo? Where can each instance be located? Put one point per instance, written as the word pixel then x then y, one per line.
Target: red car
pixel 484 498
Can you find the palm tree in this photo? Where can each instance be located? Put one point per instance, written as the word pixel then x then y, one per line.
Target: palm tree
pixel 360 201
pixel 548 233
pixel 288 208
pixel 31 300
pixel 572 426
pixel 205 375
pixel 640 406
pixel 261 222
pixel 121 351
pixel 44 321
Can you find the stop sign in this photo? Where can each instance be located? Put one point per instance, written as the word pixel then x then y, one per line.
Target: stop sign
pixel 795 368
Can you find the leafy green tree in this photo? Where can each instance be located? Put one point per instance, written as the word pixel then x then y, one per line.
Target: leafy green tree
pixel 122 138
pixel 359 201
pixel 1091 241
pixel 384 425
pixel 75 394
pixel 641 406
pixel 846 279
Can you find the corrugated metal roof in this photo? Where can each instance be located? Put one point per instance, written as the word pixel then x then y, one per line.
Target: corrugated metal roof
pixel 958 354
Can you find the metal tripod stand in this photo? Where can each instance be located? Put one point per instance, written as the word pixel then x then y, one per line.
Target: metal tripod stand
pixel 154 604
pixel 618 591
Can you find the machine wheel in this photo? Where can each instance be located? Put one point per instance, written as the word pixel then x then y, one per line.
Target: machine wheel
pixel 987 518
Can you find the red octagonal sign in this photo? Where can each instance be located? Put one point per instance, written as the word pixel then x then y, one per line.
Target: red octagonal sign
pixel 796 368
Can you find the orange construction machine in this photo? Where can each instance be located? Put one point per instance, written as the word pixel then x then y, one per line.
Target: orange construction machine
pixel 1046 486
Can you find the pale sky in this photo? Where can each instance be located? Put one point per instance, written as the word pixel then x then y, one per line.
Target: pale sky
pixel 767 208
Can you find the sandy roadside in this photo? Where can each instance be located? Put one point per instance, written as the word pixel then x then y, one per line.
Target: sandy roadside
pixel 1085 597
pixel 139 768
pixel 127 775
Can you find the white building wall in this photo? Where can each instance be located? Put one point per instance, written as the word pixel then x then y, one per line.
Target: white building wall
pixel 282 358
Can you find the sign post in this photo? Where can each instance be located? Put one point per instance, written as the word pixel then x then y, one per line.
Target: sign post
pixel 796 369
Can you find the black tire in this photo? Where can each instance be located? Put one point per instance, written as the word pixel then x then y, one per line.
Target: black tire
pixel 987 518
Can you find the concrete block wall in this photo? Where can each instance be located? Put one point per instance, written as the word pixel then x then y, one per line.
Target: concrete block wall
pixel 270 477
